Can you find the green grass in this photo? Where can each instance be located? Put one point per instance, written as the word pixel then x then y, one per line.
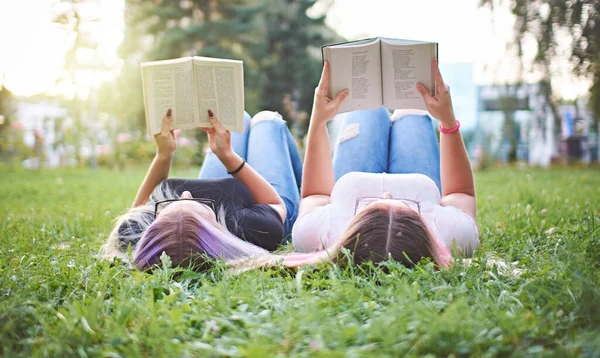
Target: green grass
pixel 58 299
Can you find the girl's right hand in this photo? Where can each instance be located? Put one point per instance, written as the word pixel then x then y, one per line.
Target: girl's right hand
pixel 325 108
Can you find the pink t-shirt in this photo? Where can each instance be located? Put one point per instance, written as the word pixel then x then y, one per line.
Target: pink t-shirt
pixel 321 227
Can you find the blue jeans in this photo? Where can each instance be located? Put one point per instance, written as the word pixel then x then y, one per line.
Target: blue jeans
pixel 403 146
pixel 269 148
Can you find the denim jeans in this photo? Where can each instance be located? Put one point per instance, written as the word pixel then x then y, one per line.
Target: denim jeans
pixel 270 149
pixel 371 142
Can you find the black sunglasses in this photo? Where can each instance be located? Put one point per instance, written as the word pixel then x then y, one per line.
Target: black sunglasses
pixel 160 205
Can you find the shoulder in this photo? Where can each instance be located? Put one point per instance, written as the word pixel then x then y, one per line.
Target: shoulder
pixel 455 227
pixel 261 225
pixel 311 231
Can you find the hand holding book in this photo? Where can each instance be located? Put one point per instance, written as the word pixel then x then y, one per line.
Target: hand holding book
pixel 190 86
pixel 219 140
pixel 440 105
pixel 380 72
pixel 166 143
pixel 325 108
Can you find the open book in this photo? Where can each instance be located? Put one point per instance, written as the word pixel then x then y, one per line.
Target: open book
pixel 190 86
pixel 380 72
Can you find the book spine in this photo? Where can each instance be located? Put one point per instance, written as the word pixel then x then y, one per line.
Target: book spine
pixel 435 53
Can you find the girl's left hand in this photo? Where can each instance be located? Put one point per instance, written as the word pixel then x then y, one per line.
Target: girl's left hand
pixel 440 105
pixel 166 142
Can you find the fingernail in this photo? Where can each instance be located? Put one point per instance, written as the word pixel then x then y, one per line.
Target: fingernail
pixel 210 113
pixel 169 113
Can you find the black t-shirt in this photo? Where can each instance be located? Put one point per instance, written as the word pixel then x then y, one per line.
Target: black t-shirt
pixel 259 224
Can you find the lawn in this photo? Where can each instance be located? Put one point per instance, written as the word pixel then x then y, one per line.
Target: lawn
pixel 57 298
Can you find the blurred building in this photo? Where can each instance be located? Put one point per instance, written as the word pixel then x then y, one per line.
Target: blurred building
pixel 516 122
pixel 38 124
pixel 579 137
pixel 459 77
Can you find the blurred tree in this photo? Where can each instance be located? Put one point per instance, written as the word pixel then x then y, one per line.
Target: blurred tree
pixel 7 111
pixel 80 22
pixel 552 21
pixel 291 58
pixel 277 40
pixel 167 29
pixel 508 105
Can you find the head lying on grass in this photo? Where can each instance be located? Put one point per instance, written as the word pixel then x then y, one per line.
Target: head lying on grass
pixel 376 235
pixel 191 236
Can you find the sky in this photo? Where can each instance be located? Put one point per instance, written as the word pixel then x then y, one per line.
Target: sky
pixel 32 48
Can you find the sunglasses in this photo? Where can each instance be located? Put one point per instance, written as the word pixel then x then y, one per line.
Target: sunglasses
pixel 161 205
pixel 366 200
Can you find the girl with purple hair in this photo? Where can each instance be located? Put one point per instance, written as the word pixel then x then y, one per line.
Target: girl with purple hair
pixel 243 205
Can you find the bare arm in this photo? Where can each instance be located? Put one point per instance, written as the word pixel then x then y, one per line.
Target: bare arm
pixel 161 165
pixel 458 188
pixel 318 178
pixel 159 171
pixel 317 173
pixel 262 192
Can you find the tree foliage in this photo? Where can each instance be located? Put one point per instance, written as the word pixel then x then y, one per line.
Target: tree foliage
pixel 552 21
pixel 7 111
pixel 277 40
pixel 291 64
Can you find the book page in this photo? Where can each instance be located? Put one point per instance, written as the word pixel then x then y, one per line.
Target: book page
pixel 357 68
pixel 220 87
pixel 168 84
pixel 403 67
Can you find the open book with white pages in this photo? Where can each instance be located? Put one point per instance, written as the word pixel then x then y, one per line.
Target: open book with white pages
pixel 380 72
pixel 190 86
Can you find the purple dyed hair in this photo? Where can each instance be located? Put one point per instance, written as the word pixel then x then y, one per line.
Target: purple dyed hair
pixel 189 240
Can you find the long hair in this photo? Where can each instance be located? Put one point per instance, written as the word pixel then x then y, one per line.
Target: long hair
pixel 376 234
pixel 187 239
pixel 381 232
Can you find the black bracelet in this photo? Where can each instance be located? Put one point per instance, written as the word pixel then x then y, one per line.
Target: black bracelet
pixel 238 169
